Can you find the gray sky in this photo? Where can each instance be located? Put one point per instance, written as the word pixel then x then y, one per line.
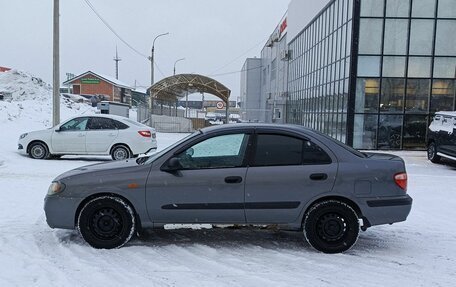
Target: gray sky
pixel 208 33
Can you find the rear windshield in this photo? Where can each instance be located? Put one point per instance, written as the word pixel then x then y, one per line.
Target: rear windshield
pixel 134 123
pixel 341 144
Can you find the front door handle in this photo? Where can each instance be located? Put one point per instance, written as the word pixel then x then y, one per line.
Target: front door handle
pixel 233 179
pixel 318 176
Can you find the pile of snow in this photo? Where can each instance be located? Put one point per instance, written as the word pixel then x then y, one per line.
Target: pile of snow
pixel 24 86
pixel 32 101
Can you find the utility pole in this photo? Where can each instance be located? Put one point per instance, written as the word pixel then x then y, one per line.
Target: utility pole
pixel 117 60
pixel 151 58
pixel 56 67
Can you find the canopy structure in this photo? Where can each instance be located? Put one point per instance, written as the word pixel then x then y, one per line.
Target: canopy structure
pixel 179 86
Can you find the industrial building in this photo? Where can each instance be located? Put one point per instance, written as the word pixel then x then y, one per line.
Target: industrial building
pixel 370 73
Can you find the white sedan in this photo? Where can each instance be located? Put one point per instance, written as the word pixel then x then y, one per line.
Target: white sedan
pixel 117 136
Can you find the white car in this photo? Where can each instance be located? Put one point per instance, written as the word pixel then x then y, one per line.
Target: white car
pixel 117 136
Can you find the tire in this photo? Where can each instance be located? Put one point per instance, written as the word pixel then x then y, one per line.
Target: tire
pixel 120 152
pixel 106 222
pixel 432 153
pixel 331 226
pixel 38 150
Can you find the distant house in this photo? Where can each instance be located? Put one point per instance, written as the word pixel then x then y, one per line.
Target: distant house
pixel 4 69
pixel 95 84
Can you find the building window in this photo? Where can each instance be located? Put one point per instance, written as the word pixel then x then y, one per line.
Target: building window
pixel 447 9
pixel 443 94
pixel 365 132
pixel 417 96
pixel 423 8
pixel 390 132
pixel 397 8
pixel 445 68
pixel 370 36
pixel 419 67
pixel 445 44
pixel 421 37
pixel 392 98
pixel 367 94
pixel 394 66
pixel 372 8
pixel 396 33
pixel 415 127
pixel 369 66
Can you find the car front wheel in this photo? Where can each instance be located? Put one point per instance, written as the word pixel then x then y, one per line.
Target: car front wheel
pixel 432 153
pixel 39 150
pixel 331 226
pixel 120 153
pixel 106 222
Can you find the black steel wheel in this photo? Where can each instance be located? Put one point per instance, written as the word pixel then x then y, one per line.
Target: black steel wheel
pixel 38 150
pixel 120 153
pixel 432 153
pixel 331 226
pixel 106 222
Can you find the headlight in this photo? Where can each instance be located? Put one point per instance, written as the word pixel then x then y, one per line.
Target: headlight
pixel 23 136
pixel 56 187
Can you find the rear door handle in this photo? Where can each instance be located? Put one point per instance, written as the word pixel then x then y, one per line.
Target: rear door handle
pixel 81 135
pixel 318 176
pixel 233 179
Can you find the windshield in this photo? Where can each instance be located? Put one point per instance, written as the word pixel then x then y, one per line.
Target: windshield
pixel 157 155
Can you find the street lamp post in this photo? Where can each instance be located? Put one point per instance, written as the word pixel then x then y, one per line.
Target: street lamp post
pixel 151 58
pixel 176 63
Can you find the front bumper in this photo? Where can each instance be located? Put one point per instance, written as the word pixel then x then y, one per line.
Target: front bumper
pixel 61 211
pixel 21 148
pixel 387 210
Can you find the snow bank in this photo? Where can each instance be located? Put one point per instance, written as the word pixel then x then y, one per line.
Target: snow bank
pixel 32 101
pixel 24 86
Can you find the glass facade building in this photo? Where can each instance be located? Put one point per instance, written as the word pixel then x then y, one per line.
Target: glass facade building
pixel 372 73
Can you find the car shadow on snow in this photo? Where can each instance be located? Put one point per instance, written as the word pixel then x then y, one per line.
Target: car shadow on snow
pixel 245 237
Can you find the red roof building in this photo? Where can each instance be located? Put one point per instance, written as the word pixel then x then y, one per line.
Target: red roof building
pixel 4 69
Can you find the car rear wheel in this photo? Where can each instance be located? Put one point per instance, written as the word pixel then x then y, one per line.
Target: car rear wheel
pixel 331 226
pixel 120 153
pixel 39 150
pixel 432 153
pixel 106 222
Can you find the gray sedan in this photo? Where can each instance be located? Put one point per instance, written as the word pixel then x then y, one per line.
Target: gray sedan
pixel 236 174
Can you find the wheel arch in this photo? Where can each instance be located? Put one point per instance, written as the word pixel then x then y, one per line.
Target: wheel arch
pixel 343 199
pixel 37 141
pixel 97 195
pixel 120 144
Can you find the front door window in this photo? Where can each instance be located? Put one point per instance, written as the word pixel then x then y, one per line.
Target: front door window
pixel 225 151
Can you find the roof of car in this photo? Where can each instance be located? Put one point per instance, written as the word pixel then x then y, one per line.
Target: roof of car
pixel 443 113
pixel 255 125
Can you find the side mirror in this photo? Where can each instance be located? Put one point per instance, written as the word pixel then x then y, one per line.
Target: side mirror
pixel 172 166
pixel 58 130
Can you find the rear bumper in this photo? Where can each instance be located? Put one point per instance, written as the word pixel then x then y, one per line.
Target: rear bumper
pixel 379 211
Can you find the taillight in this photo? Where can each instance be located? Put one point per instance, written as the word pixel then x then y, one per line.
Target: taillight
pixel 401 180
pixel 145 134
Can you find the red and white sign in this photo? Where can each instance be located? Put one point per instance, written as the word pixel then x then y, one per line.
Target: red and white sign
pixel 220 105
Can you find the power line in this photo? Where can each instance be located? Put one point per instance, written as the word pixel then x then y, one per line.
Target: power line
pixel 238 57
pixel 235 72
pixel 118 36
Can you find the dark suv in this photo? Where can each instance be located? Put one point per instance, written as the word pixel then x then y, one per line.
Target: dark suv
pixel 442 137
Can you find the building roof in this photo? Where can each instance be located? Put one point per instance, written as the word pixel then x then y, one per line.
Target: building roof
pixel 108 79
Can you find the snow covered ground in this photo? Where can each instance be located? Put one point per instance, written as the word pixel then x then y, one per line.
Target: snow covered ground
pixel 418 252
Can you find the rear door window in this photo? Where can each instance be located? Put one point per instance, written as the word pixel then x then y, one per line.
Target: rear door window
pixel 101 124
pixel 276 150
pixel 280 150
